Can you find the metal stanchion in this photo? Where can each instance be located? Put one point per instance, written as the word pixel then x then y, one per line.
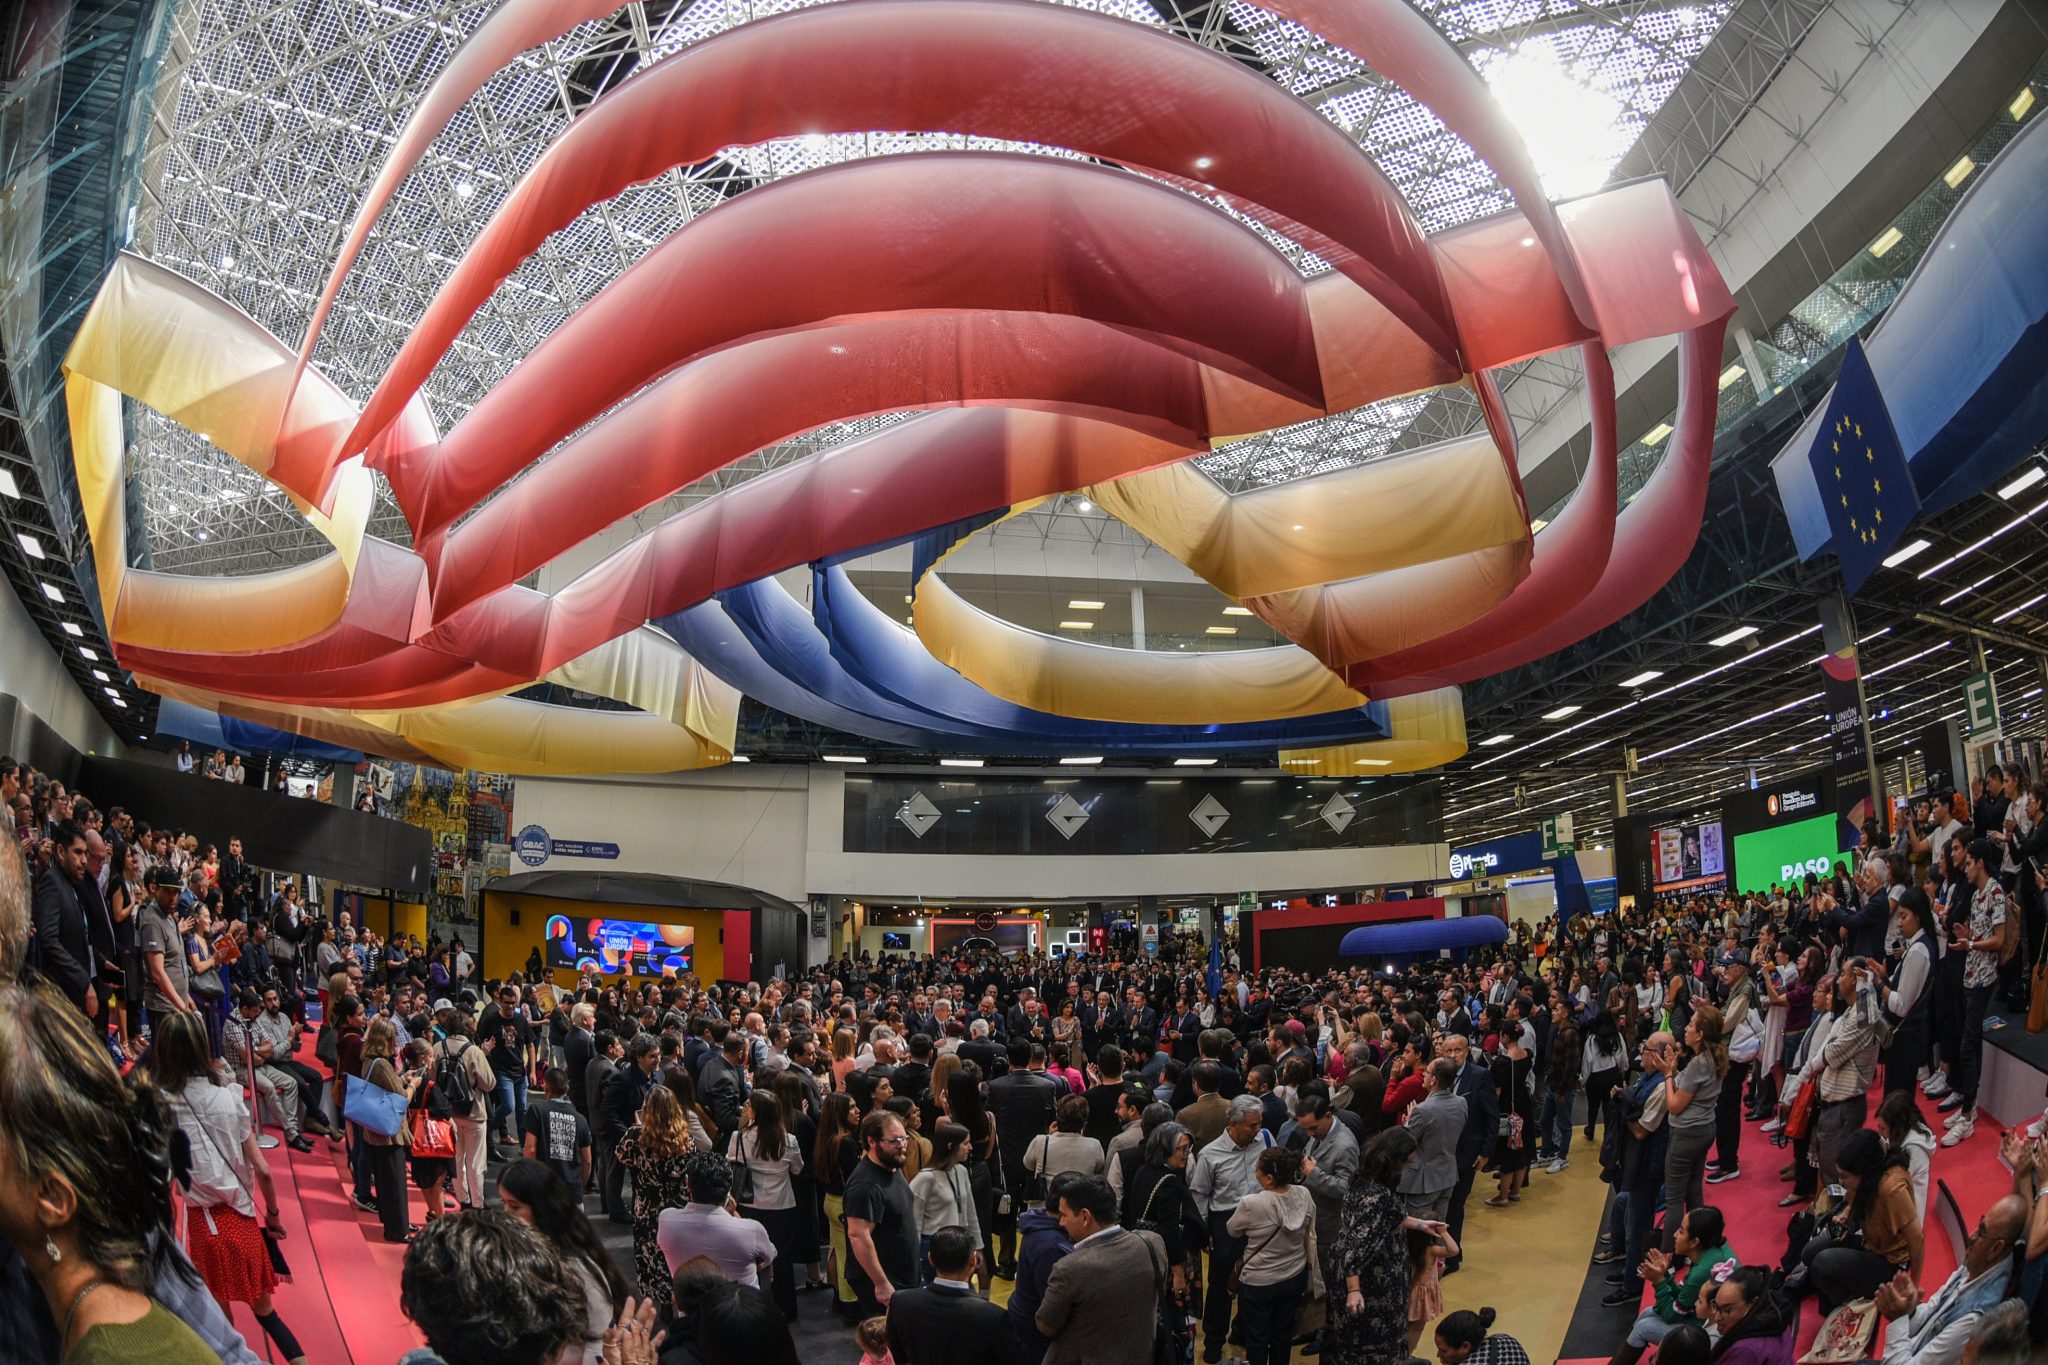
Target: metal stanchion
pixel 264 1140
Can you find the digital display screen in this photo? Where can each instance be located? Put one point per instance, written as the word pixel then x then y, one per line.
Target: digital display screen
pixel 1784 854
pixel 1686 853
pixel 895 943
pixel 620 946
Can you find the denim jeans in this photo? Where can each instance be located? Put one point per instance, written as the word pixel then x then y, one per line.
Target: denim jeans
pixel 1554 1123
pixel 1265 1317
pixel 509 1098
pixel 1634 1213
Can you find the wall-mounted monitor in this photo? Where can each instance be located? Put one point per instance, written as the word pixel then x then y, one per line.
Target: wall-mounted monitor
pixel 895 943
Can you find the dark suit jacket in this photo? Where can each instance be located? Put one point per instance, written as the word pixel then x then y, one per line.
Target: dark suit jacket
pixel 577 1050
pixel 1482 1113
pixel 597 1074
pixel 946 1326
pixel 1022 1103
pixel 623 1093
pixel 60 935
pixel 723 1090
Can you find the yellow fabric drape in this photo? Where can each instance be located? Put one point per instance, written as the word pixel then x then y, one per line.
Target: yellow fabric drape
pixel 1429 505
pixel 1428 732
pixel 1095 682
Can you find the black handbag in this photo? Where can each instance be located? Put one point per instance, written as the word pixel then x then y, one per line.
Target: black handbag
pixel 742 1173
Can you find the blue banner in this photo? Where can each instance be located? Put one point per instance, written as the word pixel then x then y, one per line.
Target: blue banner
pixel 1860 468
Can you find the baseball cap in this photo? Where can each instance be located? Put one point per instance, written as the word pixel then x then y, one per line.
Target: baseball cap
pixel 443 1004
pixel 1297 1028
pixel 1733 960
pixel 163 874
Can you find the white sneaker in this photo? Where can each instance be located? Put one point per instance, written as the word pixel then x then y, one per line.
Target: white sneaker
pixel 1557 1165
pixel 1959 1117
pixel 1936 1087
pixel 1772 1126
pixel 1959 1132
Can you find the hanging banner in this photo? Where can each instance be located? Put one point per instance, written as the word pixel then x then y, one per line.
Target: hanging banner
pixel 1854 801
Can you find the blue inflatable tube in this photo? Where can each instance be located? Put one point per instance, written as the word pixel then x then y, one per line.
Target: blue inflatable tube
pixel 1417 938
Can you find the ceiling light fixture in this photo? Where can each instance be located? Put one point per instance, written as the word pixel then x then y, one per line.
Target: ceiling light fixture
pixel 2025 481
pixel 1561 712
pixel 1907 551
pixel 73 631
pixel 8 487
pixel 1537 525
pixel 739 758
pixel 2021 102
pixel 1731 374
pixel 89 654
pixel 51 591
pixel 1739 633
pixel 1647 675
pixel 1084 506
pixel 1886 240
pixel 1194 763
pixel 959 763
pixel 1088 761
pixel 2015 611
pixel 1492 740
pixel 1077 625
pixel 1220 630
pixel 1084 604
pixel 101 674
pixel 1657 433
pixel 842 758
pixel 122 704
pixel 1237 611
pixel 1372 762
pixel 1955 175
pixel 30 546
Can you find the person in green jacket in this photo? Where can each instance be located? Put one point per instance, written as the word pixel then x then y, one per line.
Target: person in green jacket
pixel 1700 1258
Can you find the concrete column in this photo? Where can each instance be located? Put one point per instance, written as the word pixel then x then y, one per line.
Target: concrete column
pixel 1137 616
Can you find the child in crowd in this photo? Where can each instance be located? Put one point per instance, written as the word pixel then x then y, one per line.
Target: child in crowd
pixel 873 1338
pixel 1426 1255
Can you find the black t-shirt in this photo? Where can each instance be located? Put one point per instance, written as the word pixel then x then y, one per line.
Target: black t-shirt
pixel 513 1034
pixel 559 1136
pixel 882 1198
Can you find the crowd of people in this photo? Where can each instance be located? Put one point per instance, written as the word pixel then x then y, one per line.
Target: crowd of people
pixel 1163 1161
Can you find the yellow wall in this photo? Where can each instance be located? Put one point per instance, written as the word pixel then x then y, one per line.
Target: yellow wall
pixel 386 918
pixel 506 944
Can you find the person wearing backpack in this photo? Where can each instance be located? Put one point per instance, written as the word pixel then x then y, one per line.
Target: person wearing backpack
pixel 1632 1160
pixel 465 1082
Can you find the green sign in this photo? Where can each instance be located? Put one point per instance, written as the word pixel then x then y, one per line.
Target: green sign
pixel 1784 854
pixel 1557 836
pixel 1980 708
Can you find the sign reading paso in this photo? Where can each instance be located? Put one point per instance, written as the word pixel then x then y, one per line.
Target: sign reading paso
pixel 534 846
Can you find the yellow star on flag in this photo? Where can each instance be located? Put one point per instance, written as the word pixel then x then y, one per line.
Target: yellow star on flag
pixel 1876 487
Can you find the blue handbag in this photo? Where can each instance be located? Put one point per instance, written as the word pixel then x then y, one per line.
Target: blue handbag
pixel 379 1110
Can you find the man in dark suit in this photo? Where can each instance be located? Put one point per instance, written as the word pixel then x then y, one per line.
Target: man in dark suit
pixel 619 1110
pixel 985 1052
pixel 722 1084
pixel 60 939
pixel 1865 923
pixel 577 1051
pixel 1482 1123
pixel 948 1323
pixel 1022 1102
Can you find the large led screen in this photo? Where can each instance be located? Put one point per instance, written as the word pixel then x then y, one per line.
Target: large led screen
pixel 620 946
pixel 1786 853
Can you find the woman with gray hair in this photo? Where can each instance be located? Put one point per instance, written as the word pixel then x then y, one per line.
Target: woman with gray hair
pixel 1157 1199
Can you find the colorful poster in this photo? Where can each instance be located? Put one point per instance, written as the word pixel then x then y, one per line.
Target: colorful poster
pixel 1670 855
pixel 464 813
pixel 619 946
pixel 1713 860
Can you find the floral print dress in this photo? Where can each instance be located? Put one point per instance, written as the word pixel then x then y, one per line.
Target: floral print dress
pixel 1370 1245
pixel 657 1185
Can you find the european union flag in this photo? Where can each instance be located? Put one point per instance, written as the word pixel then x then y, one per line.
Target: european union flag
pixel 1861 472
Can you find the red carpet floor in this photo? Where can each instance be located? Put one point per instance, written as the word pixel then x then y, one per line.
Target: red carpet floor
pixel 342 1299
